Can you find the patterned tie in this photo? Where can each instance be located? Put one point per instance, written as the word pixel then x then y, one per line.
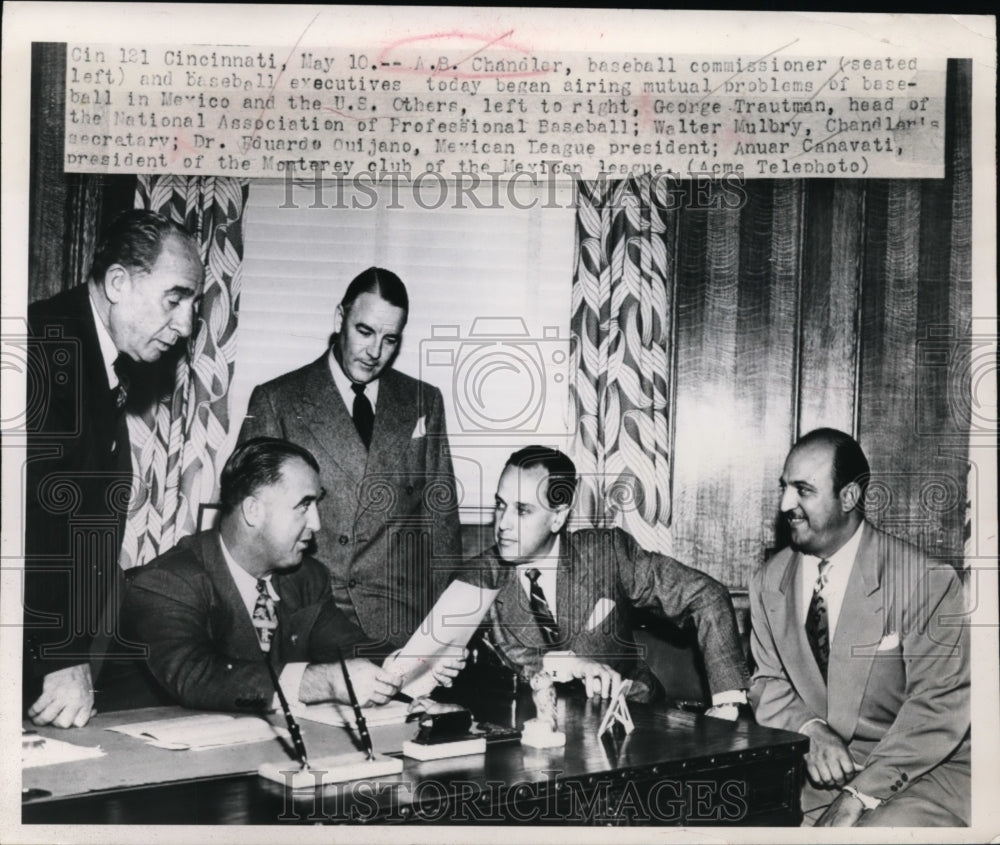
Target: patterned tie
pixel 540 610
pixel 817 621
pixel 265 615
pixel 364 416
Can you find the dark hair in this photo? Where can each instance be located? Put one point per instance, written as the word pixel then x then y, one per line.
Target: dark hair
pixel 255 464
pixel 135 240
pixel 849 461
pixel 377 280
pixel 561 470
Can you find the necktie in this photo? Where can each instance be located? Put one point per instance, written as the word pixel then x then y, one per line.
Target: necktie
pixel 817 621
pixel 540 610
pixel 120 393
pixel 364 416
pixel 265 615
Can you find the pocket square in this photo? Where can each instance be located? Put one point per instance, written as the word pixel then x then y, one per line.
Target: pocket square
pixel 420 430
pixel 889 641
pixel 600 612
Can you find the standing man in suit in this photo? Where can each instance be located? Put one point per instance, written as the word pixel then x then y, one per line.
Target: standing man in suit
pixel 565 598
pixel 860 644
pixel 85 346
pixel 390 530
pixel 219 604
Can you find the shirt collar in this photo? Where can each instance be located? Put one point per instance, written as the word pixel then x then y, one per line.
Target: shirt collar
pixel 343 384
pixel 246 584
pixel 109 352
pixel 843 559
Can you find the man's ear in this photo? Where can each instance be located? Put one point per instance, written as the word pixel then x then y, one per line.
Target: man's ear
pixel 251 509
pixel 338 319
pixel 116 279
pixel 850 497
pixel 559 516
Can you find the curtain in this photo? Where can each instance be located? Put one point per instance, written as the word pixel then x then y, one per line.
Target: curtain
pixel 621 327
pixel 176 443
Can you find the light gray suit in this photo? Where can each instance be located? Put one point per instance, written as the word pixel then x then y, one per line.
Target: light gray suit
pixel 899 684
pixel 388 510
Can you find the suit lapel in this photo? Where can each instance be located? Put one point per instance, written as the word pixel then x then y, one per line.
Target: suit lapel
pixel 783 605
pixel 514 610
pixel 323 410
pixel 568 606
pixel 859 630
pixel 395 420
pixel 244 636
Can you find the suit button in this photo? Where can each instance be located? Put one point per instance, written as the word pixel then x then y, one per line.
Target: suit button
pixel 344 539
pixel 905 777
pixel 352 583
pixel 894 788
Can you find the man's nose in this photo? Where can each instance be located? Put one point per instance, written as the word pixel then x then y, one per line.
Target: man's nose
pixel 183 321
pixel 788 500
pixel 312 521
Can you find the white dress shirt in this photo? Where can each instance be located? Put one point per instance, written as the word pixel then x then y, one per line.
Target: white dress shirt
pixel 344 386
pixel 109 352
pixel 246 586
pixel 837 575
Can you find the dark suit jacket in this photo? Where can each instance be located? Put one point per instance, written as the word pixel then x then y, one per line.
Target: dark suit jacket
pixel 596 564
pixel 898 691
pixel 203 648
pixel 77 487
pixel 390 530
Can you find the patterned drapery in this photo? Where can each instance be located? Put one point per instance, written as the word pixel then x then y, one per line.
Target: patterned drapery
pixel 176 443
pixel 622 332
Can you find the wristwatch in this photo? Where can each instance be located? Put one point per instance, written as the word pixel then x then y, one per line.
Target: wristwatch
pixel 867 801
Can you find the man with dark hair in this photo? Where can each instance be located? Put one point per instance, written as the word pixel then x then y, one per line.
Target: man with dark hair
pixel 380 439
pixel 565 598
pixel 219 604
pixel 860 644
pixel 84 344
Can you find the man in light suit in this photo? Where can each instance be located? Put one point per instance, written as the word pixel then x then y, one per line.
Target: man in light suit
pixel 219 604
pixel 390 532
pixel 86 344
pixel 565 598
pixel 860 644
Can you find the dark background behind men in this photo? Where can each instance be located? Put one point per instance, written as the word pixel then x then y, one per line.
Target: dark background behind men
pixel 87 347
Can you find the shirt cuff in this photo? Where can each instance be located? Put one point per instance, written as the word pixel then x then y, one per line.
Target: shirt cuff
pixel 290 680
pixel 729 696
pixel 555 663
pixel 808 722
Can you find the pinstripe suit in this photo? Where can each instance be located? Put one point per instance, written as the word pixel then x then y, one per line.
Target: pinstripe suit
pixel 596 564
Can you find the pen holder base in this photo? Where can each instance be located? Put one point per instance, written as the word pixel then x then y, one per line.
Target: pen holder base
pixel 441 750
pixel 327 770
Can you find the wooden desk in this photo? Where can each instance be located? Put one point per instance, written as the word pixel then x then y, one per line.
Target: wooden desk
pixel 674 769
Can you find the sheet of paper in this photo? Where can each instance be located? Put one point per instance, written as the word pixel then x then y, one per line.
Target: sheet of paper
pixel 210 730
pixel 342 715
pixel 444 633
pixel 43 751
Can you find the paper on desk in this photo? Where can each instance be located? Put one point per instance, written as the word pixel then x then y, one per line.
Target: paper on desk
pixel 342 715
pixel 45 752
pixel 444 633
pixel 210 730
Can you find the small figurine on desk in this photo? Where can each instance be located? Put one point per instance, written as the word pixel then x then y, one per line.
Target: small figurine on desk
pixel 542 731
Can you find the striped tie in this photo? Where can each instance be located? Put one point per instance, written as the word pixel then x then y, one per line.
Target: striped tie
pixel 817 621
pixel 540 610
pixel 265 615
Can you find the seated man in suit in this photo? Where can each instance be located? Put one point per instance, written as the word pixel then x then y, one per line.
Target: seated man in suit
pixel 860 644
pixel 565 598
pixel 218 605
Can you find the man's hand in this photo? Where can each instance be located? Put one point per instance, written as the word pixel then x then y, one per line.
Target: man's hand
pixel 598 678
pixel 447 669
pixel 325 682
pixel 843 812
pixel 828 762
pixel 67 699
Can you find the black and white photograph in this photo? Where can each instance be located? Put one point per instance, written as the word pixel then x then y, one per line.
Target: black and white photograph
pixel 450 419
